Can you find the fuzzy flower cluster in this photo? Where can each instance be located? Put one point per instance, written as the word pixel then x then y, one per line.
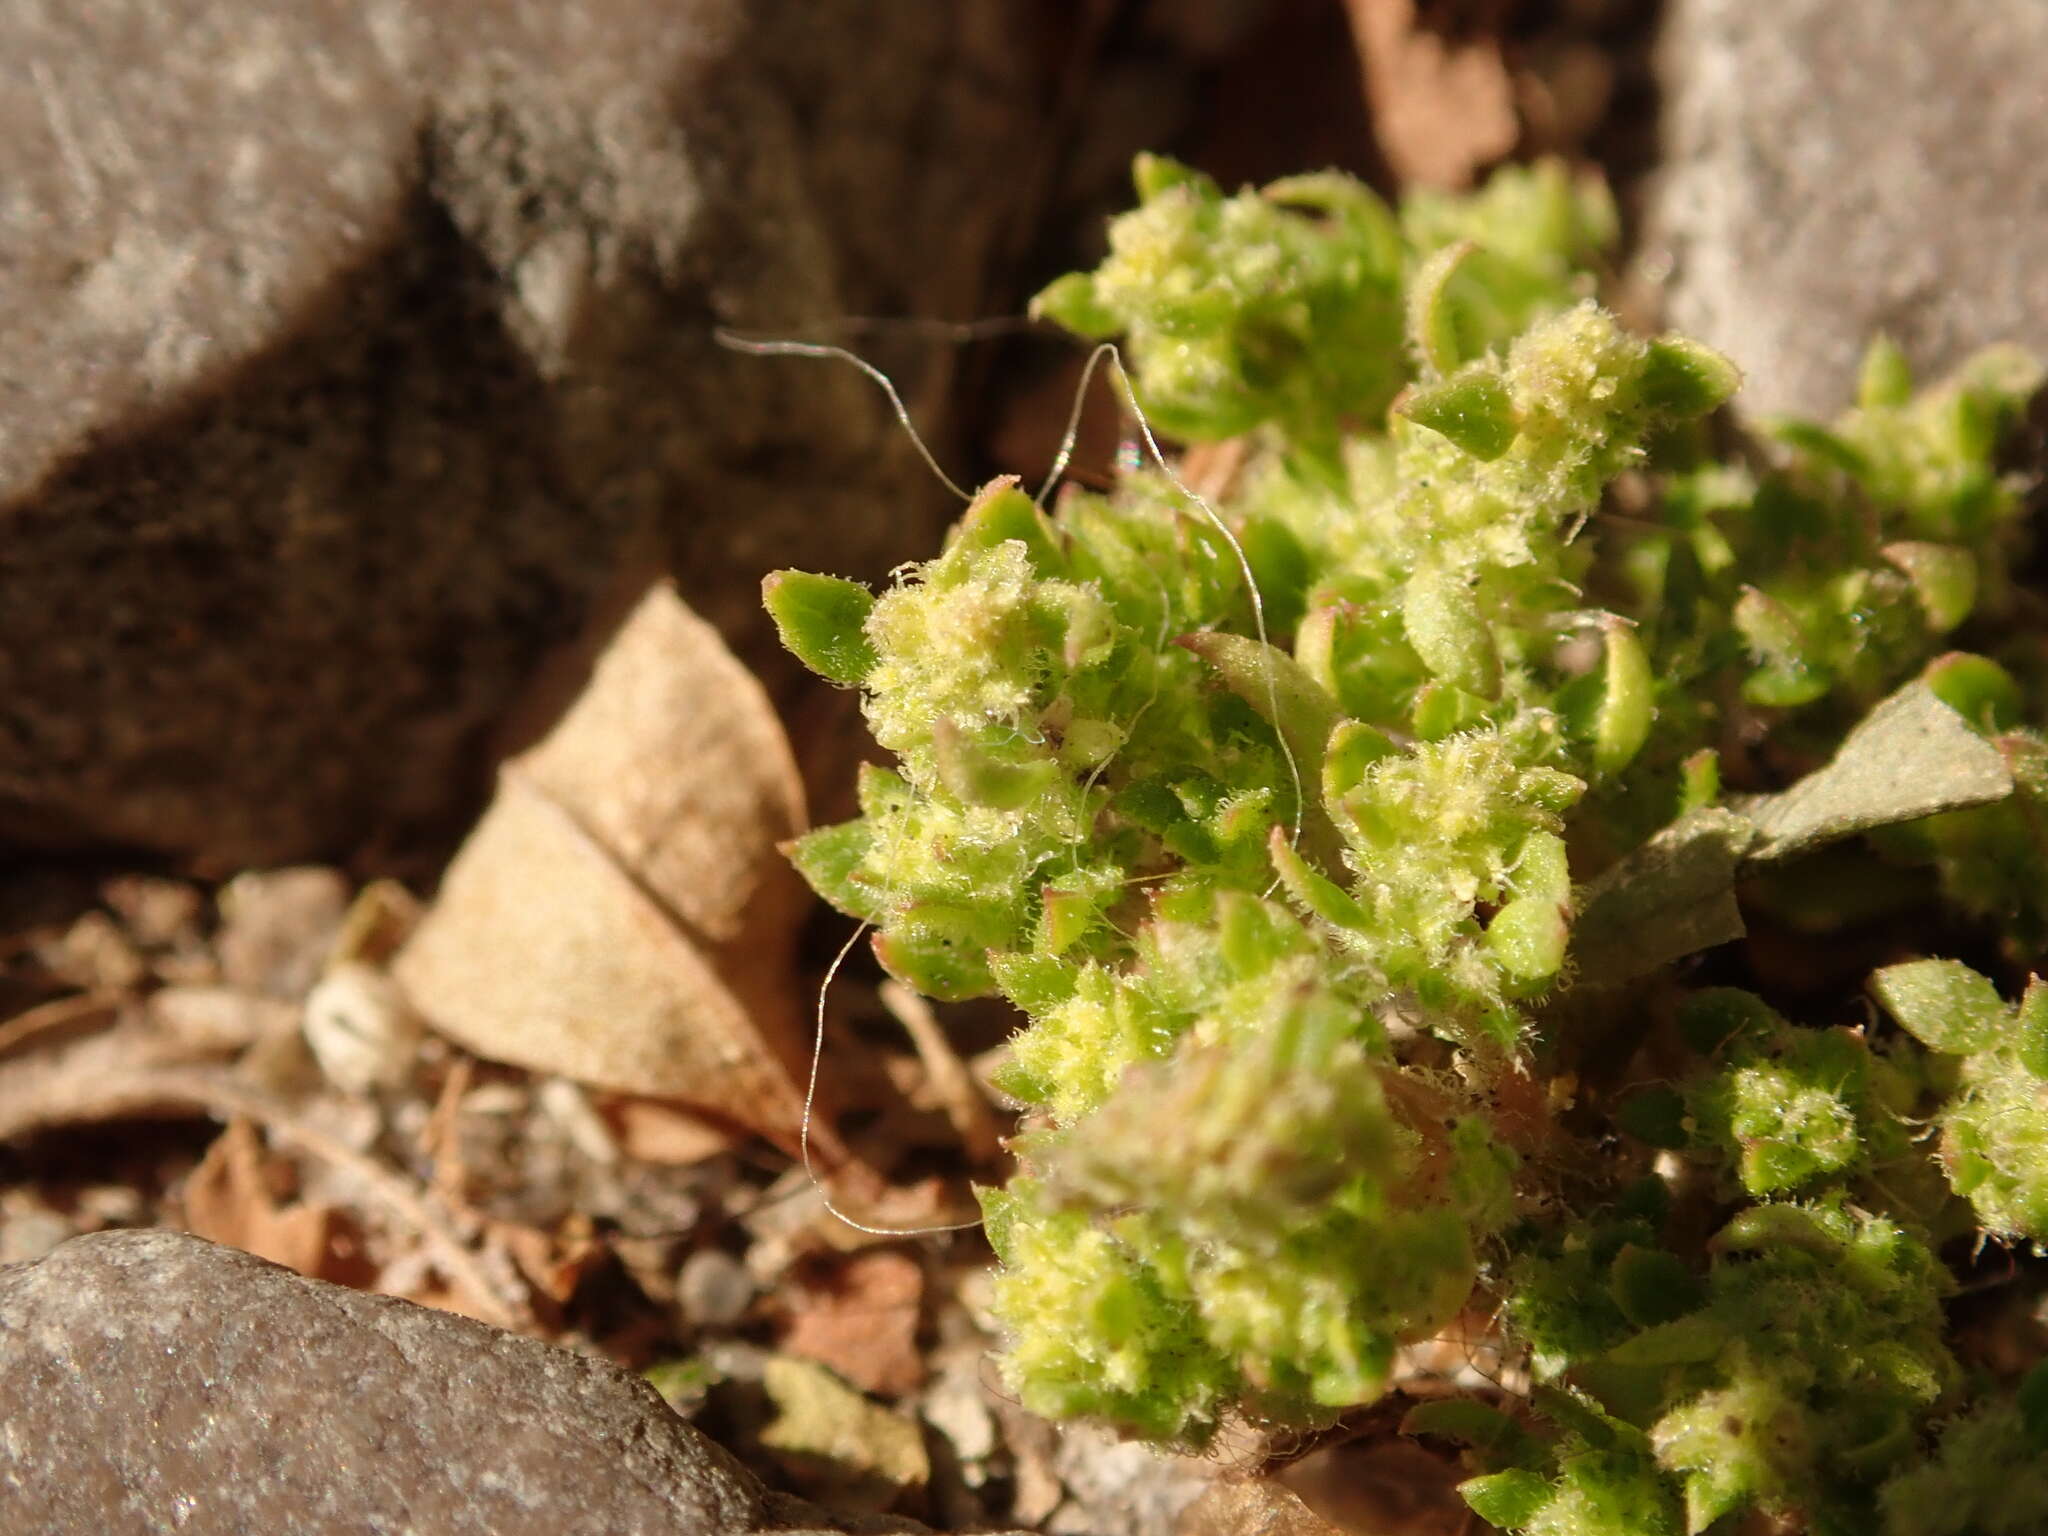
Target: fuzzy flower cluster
pixel 1276 818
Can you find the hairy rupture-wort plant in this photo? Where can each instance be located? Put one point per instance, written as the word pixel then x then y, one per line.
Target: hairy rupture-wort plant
pixel 1343 903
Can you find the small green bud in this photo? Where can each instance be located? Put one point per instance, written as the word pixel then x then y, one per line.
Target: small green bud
pixel 1472 408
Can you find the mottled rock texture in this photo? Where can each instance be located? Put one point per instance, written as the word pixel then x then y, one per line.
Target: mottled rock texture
pixel 347 351
pixel 1836 170
pixel 153 1382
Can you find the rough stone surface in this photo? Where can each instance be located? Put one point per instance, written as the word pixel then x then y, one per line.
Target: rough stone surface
pixel 153 1382
pixel 1836 170
pixel 348 350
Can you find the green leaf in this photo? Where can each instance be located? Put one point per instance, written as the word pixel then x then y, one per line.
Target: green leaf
pixel 1699 781
pixel 829 859
pixel 1627 701
pixel 1656 1116
pixel 1280 688
pixel 1035 983
pixel 978 776
pixel 1443 710
pixel 1352 749
pixel 1651 1286
pixel 1911 757
pixel 1943 1004
pixel 940 950
pixel 1709 1496
pixel 2033 1401
pixel 1683 378
pixel 1071 302
pixel 1000 513
pixel 1975 687
pixel 1686 1341
pixel 1317 892
pixel 820 620
pixel 1287 696
pixel 1153 176
pixel 1817 442
pixel 1715 1018
pixel 1944 579
pixel 1510 1500
pixel 1432 316
pixel 1442 619
pixel 1528 937
pixel 1472 408
pixel 2031 1028
pixel 1577 1414
pixel 1886 379
pixel 1786 676
pixel 1472 1423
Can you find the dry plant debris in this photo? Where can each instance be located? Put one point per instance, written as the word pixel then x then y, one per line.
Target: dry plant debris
pixel 621 915
pixel 1441 109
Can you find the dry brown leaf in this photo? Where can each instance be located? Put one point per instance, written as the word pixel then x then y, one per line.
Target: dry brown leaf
pixel 655 1131
pixel 1382 1484
pixel 859 1315
pixel 1234 1508
pixel 69 1081
pixel 621 916
pixel 1440 109
pixel 553 1264
pixel 277 926
pixel 229 1198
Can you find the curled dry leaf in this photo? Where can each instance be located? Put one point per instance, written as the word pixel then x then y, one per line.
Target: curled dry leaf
pixel 621 916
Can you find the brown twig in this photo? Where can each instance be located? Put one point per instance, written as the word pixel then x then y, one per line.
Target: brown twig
pixel 58 1013
pixel 958 1093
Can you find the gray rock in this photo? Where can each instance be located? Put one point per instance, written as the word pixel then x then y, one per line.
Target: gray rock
pixel 347 352
pixel 153 1382
pixel 1837 170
